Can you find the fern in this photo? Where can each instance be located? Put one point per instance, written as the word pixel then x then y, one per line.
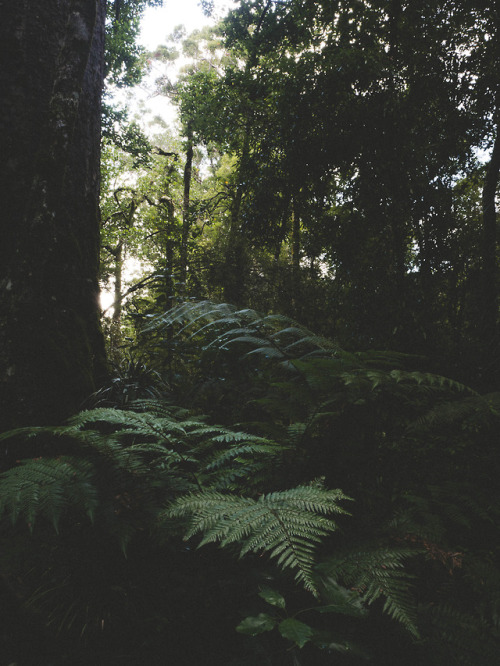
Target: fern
pixel 221 326
pixel 486 407
pixel 134 449
pixel 289 401
pixel 236 347
pixel 287 525
pixel 376 573
pixel 48 487
pixel 242 452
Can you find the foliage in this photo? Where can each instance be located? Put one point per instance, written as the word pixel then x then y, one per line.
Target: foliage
pixel 374 574
pixel 48 487
pixel 327 175
pixel 137 478
pixel 352 131
pixel 124 65
pixel 126 135
pixel 281 523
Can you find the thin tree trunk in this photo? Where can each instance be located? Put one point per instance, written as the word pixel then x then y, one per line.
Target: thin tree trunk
pixel 117 304
pixel 186 213
pixel 490 241
pixel 169 279
pixel 295 258
pixel 116 319
pixel 51 77
pixel 234 273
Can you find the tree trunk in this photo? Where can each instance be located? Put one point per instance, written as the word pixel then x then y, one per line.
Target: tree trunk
pixel 490 273
pixel 115 333
pixel 234 271
pixel 51 77
pixel 186 213
pixel 117 274
pixel 169 255
pixel 295 300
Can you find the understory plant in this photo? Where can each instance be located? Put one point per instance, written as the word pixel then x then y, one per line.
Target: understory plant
pixel 351 499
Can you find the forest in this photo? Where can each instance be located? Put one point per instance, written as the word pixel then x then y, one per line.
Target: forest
pixel 278 445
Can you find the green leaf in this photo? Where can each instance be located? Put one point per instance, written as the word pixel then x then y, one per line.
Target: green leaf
pixel 341 600
pixel 252 626
pixel 295 631
pixel 272 597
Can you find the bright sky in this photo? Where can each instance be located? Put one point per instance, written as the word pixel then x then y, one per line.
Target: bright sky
pixel 157 24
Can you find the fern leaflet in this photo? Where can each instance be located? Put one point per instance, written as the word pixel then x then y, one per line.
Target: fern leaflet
pixel 286 524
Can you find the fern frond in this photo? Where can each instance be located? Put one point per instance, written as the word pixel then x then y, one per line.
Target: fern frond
pixel 247 449
pixel 431 380
pixel 48 487
pixel 188 313
pixel 377 573
pixel 247 460
pixel 135 423
pixel 287 525
pixel 232 436
pixel 221 326
pixel 266 352
pixel 484 407
pixel 162 409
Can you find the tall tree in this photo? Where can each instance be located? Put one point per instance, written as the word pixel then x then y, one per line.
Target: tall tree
pixel 51 354
pixel 51 77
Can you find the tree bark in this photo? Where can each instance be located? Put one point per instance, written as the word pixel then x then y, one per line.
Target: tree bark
pixel 51 77
pixel 234 274
pixel 186 212
pixel 295 241
pixel 490 241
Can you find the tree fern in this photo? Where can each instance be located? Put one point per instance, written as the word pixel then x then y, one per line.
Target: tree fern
pixel 132 449
pixel 220 326
pixel 282 366
pixel 293 406
pixel 287 525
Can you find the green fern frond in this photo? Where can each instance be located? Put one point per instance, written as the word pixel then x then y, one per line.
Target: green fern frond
pixel 232 436
pixel 287 525
pixel 377 573
pixel 162 409
pixel 484 407
pixel 48 487
pixel 142 424
pixel 432 380
pixel 295 432
pixel 249 449
pixel 221 326
pixel 249 460
pixel 267 352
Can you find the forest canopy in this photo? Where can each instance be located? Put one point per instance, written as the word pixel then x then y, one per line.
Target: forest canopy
pixel 279 444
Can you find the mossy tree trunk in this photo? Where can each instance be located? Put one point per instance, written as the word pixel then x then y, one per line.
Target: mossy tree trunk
pixel 51 77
